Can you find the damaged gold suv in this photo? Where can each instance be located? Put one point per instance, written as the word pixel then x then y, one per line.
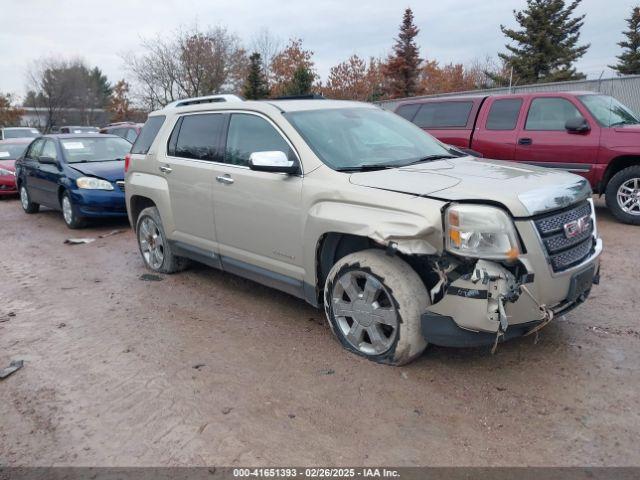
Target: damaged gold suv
pixel 403 241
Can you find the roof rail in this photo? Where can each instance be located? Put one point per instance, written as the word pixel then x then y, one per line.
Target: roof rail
pixel 310 96
pixel 207 99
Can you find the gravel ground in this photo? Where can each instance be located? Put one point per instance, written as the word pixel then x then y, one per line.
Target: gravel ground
pixel 204 368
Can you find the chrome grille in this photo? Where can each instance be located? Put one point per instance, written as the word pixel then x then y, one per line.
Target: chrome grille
pixel 565 252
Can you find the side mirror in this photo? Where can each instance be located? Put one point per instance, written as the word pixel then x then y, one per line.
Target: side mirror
pixel 577 125
pixel 47 160
pixel 272 161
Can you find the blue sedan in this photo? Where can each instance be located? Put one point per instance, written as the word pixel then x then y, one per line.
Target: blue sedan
pixel 81 175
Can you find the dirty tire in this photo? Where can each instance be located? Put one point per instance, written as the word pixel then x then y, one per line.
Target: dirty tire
pixel 27 205
pixel 611 194
pixel 399 288
pixel 70 213
pixel 169 263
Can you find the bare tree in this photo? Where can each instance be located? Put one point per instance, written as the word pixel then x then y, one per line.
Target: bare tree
pixel 268 46
pixel 191 63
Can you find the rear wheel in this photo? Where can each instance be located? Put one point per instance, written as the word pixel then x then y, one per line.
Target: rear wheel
pixel 27 205
pixel 70 212
pixel 623 195
pixel 154 246
pixel 373 303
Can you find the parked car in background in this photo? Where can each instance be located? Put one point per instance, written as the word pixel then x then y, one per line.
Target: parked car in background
pixel 586 133
pixel 18 132
pixel 10 150
pixel 80 174
pixel 355 210
pixel 127 130
pixel 78 129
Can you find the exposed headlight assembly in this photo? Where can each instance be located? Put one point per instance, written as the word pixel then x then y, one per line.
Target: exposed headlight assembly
pixel 4 172
pixel 91 183
pixel 480 231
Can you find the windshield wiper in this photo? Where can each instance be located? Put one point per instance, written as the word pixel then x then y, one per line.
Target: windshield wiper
pixel 367 168
pixel 429 158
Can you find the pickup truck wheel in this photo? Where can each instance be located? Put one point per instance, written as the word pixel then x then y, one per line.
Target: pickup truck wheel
pixel 373 302
pixel 154 246
pixel 623 195
pixel 27 205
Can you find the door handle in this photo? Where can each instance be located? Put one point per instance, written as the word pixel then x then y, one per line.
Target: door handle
pixel 165 169
pixel 226 179
pixel 525 141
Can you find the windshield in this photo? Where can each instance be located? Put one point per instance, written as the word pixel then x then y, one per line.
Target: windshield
pixel 348 138
pixel 94 149
pixel 11 151
pixel 608 111
pixel 20 133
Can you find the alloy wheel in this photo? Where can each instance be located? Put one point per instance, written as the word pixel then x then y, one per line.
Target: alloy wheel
pixel 67 210
pixel 628 196
pixel 364 312
pixel 151 243
pixel 24 197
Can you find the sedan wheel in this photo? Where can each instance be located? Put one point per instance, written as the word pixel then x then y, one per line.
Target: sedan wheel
pixel 27 205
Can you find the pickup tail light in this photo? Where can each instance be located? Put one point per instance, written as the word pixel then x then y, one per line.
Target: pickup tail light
pixel 127 160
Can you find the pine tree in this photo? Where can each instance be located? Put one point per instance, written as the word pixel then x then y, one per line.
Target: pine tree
pixel 629 60
pixel 546 45
pixel 301 83
pixel 403 66
pixel 255 86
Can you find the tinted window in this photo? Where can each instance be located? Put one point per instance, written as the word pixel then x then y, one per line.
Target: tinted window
pixel 148 134
pixel 35 149
pixel 117 131
pixel 408 111
pixel 503 114
pixel 198 136
pixel 49 150
pixel 131 135
pixel 550 114
pixel 250 133
pixel 443 114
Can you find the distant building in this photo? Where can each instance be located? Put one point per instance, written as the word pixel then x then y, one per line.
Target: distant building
pixel 38 117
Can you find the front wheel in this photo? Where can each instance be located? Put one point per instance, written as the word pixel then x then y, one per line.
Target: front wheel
pixel 70 212
pixel 27 205
pixel 373 302
pixel 154 246
pixel 623 195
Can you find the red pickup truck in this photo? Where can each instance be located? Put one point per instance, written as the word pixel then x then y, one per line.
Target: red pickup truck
pixel 590 134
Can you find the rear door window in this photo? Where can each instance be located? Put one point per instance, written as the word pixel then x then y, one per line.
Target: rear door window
pixel 197 137
pixel 408 111
pixel 550 114
pixel 443 114
pixel 250 133
pixel 503 114
pixel 148 134
pixel 35 149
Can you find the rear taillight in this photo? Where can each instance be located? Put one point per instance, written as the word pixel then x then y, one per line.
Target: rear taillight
pixel 127 159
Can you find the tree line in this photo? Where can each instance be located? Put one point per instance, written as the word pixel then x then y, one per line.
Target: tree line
pixel 193 62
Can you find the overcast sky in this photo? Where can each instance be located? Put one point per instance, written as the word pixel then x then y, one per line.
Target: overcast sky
pixel 450 30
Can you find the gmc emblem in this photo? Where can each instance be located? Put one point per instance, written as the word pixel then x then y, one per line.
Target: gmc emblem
pixel 577 227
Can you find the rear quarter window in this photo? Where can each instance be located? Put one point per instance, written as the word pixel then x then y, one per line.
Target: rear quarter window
pixel 148 134
pixel 408 111
pixel 443 115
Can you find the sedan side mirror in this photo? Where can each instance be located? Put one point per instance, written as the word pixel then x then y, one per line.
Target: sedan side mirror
pixel 577 125
pixel 272 161
pixel 47 160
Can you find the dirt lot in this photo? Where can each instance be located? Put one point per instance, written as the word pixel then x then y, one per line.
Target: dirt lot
pixel 204 368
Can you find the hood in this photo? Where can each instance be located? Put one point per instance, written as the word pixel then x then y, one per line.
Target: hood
pixel 524 189
pixel 112 170
pixel 8 165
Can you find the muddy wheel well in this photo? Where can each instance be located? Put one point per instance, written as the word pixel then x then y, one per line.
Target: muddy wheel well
pixel 617 164
pixel 137 204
